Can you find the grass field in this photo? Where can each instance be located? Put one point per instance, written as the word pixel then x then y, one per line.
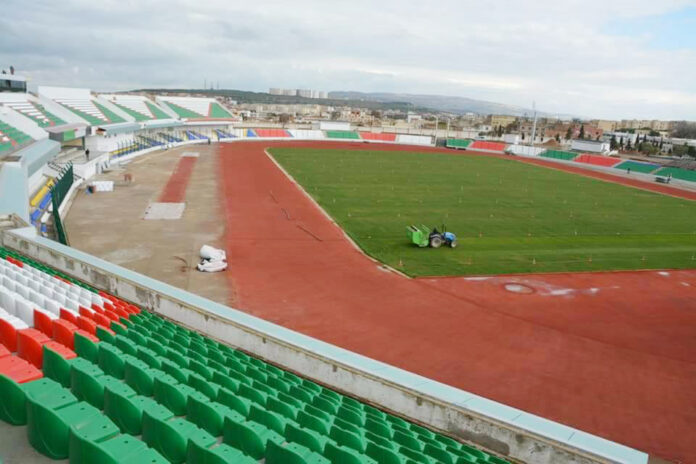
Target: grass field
pixel 509 217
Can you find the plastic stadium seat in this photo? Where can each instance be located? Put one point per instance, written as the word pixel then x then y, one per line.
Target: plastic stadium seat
pixel 68 315
pixel 249 437
pixel 597 160
pixel 341 455
pixel 125 407
pixel 18 369
pixel 291 453
pixel 30 346
pixel 171 437
pixel 9 326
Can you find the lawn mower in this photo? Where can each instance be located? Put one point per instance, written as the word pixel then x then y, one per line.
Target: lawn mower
pixel 424 237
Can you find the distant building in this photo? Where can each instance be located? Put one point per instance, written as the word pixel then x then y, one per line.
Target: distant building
pixel 305 93
pixel 502 120
pixel 606 125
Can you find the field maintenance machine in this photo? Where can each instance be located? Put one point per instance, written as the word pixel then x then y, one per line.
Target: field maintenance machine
pixel 424 237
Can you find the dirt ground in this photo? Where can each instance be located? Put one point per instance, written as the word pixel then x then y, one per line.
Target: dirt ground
pixel 110 225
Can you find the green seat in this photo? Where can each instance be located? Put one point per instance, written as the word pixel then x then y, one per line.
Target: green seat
pixel 86 348
pixel 13 404
pixel 217 367
pixel 221 454
pixel 57 367
pixel 477 453
pixel 301 394
pixel 263 388
pixel 448 442
pixel 348 439
pixel 284 409
pixel 233 401
pixel 126 345
pixel 279 384
pixel 292 453
pixel 381 428
pixel 124 449
pixel 176 356
pixel 171 437
pixel 249 437
pixel 407 440
pixel 201 369
pixel 252 394
pixel 87 382
pixel 349 414
pixel 379 440
pixel 340 455
pixel 306 437
pixel 84 440
pixel 422 431
pixel 138 338
pixel 273 421
pixel 181 374
pixel 48 429
pixel 416 456
pixel 140 376
pixel 199 383
pixel 111 360
pixel 312 422
pixel 149 357
pixel 234 364
pixel 226 381
pixel 209 415
pixel 105 336
pixel 383 455
pixel 439 454
pixel 172 394
pixel 118 329
pixel 123 406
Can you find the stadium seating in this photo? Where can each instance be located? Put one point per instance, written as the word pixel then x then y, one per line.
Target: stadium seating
pixel 458 143
pixel 217 111
pixel 137 106
pixel 36 113
pixel 90 111
pixel 11 137
pixel 596 160
pixel 223 134
pixel 637 166
pixel 484 145
pixel 250 133
pixel 383 137
pixel 558 154
pixel 90 372
pixel 338 134
pixel 678 173
pixel 193 135
pixel 272 133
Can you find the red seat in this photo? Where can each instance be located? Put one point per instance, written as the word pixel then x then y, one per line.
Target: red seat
pixel 18 369
pixel 29 345
pixel 8 335
pixel 111 314
pixel 84 312
pixel 97 308
pixel 61 349
pixel 101 320
pixel 121 312
pixel 64 332
pixel 108 306
pixel 43 322
pixel 4 351
pixel 133 309
pixel 87 325
pixel 68 315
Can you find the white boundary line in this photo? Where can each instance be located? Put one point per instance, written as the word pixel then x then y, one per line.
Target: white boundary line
pixel 331 219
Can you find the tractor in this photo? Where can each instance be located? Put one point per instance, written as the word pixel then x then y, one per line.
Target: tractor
pixel 424 237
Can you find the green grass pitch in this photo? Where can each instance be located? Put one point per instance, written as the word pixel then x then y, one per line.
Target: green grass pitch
pixel 509 217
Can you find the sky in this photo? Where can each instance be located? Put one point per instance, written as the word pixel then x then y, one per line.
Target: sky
pixel 611 59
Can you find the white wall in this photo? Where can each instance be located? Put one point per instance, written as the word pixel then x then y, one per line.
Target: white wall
pixel 99 143
pixel 414 139
pixel 525 150
pixel 334 125
pixel 590 146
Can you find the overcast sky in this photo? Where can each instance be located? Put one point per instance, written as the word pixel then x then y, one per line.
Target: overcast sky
pixel 595 58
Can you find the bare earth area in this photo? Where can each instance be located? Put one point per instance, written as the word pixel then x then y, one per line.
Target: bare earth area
pixel 613 354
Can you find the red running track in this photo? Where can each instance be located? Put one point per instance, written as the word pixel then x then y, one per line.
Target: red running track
pixel 610 353
pixel 175 190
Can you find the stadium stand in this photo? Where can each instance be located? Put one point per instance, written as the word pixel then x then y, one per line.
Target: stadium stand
pixel 250 133
pixel 136 106
pixel 90 372
pixel 678 173
pixel 169 137
pixel 558 154
pixel 485 145
pixel 193 135
pixel 278 133
pixel 378 136
pixel 337 134
pixel 81 103
pixel 11 137
pixel 305 134
pixel 31 109
pixel 525 150
pixel 637 166
pixel 195 108
pixel 596 160
pixel 458 143
pixel 223 134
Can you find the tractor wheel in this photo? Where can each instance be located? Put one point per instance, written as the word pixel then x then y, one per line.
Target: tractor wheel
pixel 435 242
pixel 453 244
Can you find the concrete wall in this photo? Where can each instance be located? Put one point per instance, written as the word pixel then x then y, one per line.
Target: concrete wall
pixel 506 431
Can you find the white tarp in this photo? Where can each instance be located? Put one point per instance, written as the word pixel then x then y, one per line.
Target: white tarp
pixel 524 150
pixel 103 185
pixel 305 134
pixel 414 139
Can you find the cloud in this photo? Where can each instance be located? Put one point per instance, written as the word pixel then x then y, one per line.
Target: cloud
pixel 567 56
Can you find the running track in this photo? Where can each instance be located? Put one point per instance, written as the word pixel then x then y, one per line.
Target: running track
pixel 613 354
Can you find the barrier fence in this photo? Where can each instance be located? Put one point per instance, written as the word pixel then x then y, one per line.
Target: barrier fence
pixel 58 193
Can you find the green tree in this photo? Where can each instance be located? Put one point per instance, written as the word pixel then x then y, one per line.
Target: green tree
pixel 558 137
pixel 582 132
pixel 613 145
pixel 569 133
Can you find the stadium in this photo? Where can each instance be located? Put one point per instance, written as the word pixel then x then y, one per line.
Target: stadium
pixel 557 331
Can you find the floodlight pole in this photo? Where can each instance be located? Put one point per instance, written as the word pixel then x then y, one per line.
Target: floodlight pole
pixel 447 130
pixel 531 142
pixel 437 122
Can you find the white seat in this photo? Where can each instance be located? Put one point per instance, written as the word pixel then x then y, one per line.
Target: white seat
pixel 21 279
pixel 71 304
pixel 8 283
pixel 25 312
pixel 85 302
pixel 59 289
pixel 37 298
pixel 4 314
pixel 46 291
pixel 97 299
pixel 18 323
pixel 52 306
pixel 22 290
pixel 7 300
